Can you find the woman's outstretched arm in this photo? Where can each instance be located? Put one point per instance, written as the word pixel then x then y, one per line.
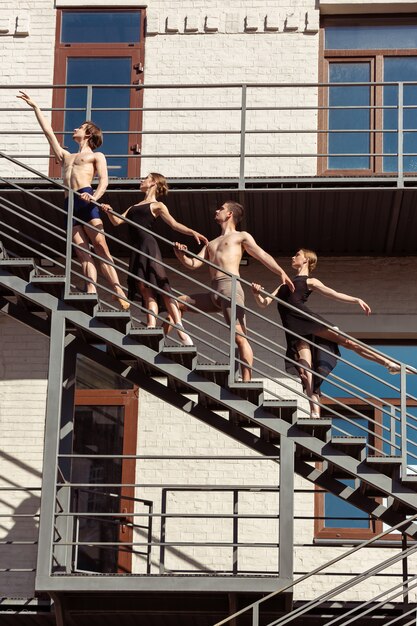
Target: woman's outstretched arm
pixel 316 285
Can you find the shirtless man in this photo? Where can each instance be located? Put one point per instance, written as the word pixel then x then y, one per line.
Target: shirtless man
pixel 226 251
pixel 78 171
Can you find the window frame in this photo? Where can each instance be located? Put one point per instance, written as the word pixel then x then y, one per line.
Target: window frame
pixel 343 534
pixel 136 51
pixel 377 66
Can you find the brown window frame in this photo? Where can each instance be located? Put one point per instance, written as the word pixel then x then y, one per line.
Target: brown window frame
pixel 375 526
pixel 376 56
pixel 129 399
pixel 65 50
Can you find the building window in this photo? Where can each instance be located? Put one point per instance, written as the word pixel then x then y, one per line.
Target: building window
pixel 105 423
pixel 101 48
pixel 379 424
pixel 364 136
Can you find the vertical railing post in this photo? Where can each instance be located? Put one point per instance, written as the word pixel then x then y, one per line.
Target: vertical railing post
pixel 255 615
pixel 393 434
pixel 232 368
pixel 235 566
pixel 403 413
pixel 400 149
pixel 162 533
pixel 89 104
pixel 404 568
pixel 68 248
pixel 242 139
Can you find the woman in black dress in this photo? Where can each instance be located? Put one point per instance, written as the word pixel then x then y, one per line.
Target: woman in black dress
pixel 313 356
pixel 150 269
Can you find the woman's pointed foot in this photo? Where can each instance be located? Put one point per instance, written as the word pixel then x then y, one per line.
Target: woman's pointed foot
pixel 183 337
pixel 123 304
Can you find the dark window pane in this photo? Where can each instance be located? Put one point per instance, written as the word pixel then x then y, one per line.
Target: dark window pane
pixel 101 70
pixel 92 375
pixel 349 119
pixel 371 37
pixel 349 516
pixel 100 27
pixel 400 69
pixel 97 430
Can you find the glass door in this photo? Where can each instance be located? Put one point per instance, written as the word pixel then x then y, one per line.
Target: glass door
pixel 104 424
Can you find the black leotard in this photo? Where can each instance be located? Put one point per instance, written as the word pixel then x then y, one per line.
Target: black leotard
pixel 323 363
pixel 141 266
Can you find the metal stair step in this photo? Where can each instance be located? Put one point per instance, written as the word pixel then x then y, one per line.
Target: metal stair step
pixel 284 409
pixel 151 337
pixel 21 267
pixel 85 302
pixel 215 373
pixel 388 465
pixel 115 319
pixel 250 391
pixel 184 355
pixel 316 427
pixel 353 446
pixel 53 284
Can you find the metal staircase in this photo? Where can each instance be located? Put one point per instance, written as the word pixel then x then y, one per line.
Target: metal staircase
pixel 251 413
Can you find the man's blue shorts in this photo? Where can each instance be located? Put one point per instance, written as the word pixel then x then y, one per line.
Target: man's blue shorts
pixel 85 211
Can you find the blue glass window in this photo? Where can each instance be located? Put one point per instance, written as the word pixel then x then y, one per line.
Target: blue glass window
pixel 100 27
pixel 397 69
pixel 376 37
pixel 103 70
pixel 348 515
pixel 349 119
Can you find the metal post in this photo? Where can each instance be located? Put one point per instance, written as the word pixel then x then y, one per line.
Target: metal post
pixel 393 433
pixel 403 417
pixel 400 150
pixel 89 103
pixel 65 524
pixel 235 566
pixel 405 569
pixel 163 533
pixel 255 615
pixel 51 446
pixel 232 332
pixel 242 139
pixel 286 510
pixel 68 249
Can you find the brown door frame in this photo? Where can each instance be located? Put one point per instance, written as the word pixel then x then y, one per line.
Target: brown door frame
pixel 135 51
pixel 130 401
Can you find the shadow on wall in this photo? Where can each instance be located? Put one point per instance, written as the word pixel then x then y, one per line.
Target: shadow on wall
pixel 19 526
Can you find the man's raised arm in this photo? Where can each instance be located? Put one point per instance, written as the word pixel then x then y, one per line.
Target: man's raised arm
pixel 266 259
pixel 57 149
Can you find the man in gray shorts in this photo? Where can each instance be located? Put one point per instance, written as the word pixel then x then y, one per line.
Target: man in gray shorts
pixel 226 252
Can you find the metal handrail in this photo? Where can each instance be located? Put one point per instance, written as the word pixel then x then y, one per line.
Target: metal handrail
pixel 255 605
pixel 241 130
pixel 208 263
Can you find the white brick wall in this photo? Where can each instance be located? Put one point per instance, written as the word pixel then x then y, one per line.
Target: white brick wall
pixel 200 43
pixel 23 371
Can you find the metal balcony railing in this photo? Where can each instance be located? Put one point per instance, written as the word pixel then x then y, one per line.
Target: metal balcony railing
pixel 238 134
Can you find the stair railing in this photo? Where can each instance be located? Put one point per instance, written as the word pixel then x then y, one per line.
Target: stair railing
pixel 255 607
pixel 395 437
